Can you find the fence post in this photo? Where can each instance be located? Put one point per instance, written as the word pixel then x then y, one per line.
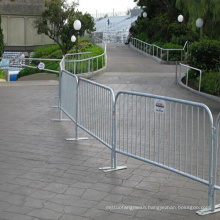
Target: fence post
pixel 176 74
pixel 187 76
pixel 200 80
pixel 215 154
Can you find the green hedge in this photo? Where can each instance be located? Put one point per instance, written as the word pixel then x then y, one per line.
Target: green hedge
pixel 210 83
pixel 2 74
pixel 173 55
pixel 203 55
pixel 54 52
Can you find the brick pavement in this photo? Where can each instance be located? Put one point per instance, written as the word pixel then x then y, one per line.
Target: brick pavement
pixel 45 177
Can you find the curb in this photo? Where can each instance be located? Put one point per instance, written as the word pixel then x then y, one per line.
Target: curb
pixel 212 97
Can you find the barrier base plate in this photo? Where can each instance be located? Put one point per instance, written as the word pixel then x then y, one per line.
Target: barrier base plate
pixel 56 106
pixel 208 210
pixel 76 139
pixel 110 169
pixel 60 120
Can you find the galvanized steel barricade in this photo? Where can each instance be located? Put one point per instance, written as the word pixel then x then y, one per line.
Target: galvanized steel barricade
pixel 173 134
pixel 96 104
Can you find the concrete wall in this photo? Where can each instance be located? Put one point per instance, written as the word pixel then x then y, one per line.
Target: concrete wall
pixel 21 7
pixel 18 24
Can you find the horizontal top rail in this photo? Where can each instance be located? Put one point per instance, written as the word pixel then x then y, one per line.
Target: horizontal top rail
pixel 154 45
pixel 100 85
pixel 197 104
pixel 23 58
pixel 190 67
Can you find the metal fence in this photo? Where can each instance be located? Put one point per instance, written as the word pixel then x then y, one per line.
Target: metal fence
pixel 85 62
pixel 169 133
pixel 21 62
pixel 173 134
pixel 187 73
pixel 95 110
pixel 162 53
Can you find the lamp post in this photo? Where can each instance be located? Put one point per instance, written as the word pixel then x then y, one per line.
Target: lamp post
pixel 199 24
pixel 180 20
pixel 77 27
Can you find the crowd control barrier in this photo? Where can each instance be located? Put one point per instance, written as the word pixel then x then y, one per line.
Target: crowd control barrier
pixel 176 135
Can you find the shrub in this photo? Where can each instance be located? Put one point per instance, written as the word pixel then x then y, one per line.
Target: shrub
pixel 2 74
pixel 203 55
pixel 44 51
pixel 173 55
pixel 210 83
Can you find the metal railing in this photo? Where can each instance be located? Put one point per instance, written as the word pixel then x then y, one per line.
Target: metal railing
pixel 170 133
pixel 173 134
pixel 187 74
pixel 157 51
pixel 19 63
pixel 85 62
pixel 96 109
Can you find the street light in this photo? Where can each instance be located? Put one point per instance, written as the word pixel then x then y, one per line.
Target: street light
pixel 180 18
pixel 73 39
pixel 199 22
pixel 145 14
pixel 77 27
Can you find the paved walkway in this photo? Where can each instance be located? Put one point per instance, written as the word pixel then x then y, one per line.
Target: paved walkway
pixel 45 177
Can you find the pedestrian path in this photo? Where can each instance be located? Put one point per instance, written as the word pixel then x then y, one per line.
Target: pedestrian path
pixel 43 177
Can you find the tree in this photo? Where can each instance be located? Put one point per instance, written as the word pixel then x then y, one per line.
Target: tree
pixel 2 46
pixel 56 21
pixel 208 10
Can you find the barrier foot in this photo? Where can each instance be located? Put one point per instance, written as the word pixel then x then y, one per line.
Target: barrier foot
pixel 207 211
pixel 56 106
pixel 110 169
pixel 76 139
pixel 60 120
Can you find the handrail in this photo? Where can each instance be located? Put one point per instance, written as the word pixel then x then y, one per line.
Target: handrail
pixel 190 67
pixel 87 59
pixel 157 48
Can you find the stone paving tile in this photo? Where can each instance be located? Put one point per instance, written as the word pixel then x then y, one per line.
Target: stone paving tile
pixel 45 214
pixel 14 216
pixel 45 177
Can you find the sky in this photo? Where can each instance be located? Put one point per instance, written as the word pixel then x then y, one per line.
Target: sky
pixel 104 6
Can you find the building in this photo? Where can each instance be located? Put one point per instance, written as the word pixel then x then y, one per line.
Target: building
pixel 18 24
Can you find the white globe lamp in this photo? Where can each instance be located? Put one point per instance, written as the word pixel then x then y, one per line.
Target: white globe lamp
pixel 73 39
pixel 199 22
pixel 77 25
pixel 145 14
pixel 180 18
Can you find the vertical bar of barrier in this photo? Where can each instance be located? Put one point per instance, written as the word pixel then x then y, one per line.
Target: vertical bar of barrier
pixel 216 133
pixel 185 167
pixel 169 135
pixel 180 132
pixel 174 164
pixel 197 142
pixel 203 149
pixel 150 129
